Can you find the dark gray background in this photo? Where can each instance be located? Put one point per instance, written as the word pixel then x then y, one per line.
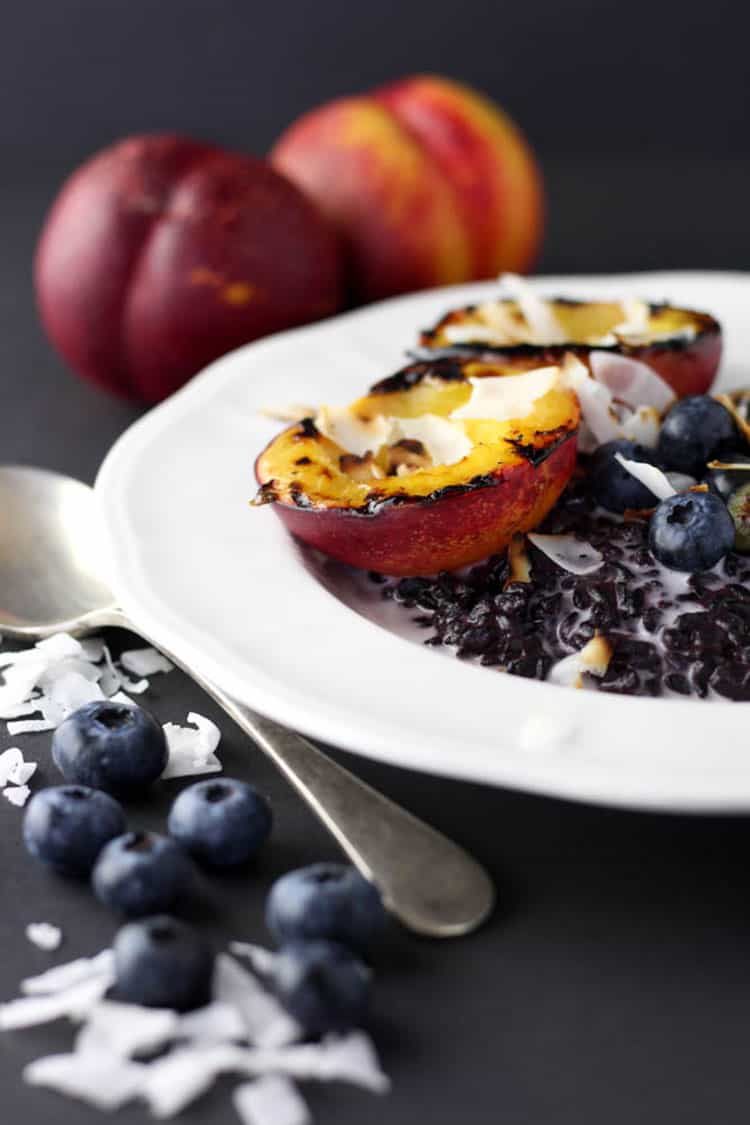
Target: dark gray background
pixel 612 984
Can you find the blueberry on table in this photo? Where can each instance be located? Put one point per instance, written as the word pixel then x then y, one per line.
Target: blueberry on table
pixel 161 962
pixel 67 826
pixel 614 487
pixel 141 873
pixel 691 531
pixel 739 510
pixel 323 985
pixel 222 823
pixel 117 747
pixel 724 482
pixel 327 900
pixel 695 431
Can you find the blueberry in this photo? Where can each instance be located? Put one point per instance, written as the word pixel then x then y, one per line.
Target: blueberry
pixel 67 826
pixel 739 510
pixel 694 431
pixel 726 481
pixel 117 747
pixel 323 985
pixel 691 531
pixel 161 962
pixel 141 873
pixel 614 487
pixel 327 900
pixel 221 823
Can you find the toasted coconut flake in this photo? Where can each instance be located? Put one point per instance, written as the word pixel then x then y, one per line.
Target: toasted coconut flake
pixel 192 751
pixel 44 936
pixel 218 1022
pixel 631 381
pixel 681 482
pixel 600 422
pixel 740 420
pixel 519 563
pixel 30 726
pixel 271 1100
pixel 288 412
pixel 362 469
pixel 18 795
pixel 444 442
pixel 104 1081
pixel 266 1021
pixel 568 553
pixel 635 318
pixel 71 973
pixel 505 397
pixel 126 1030
pixel 73 1002
pixel 650 476
pixel 351 432
pixel 145 662
pixel 593 659
pixel 642 426
pixel 734 465
pixel 544 327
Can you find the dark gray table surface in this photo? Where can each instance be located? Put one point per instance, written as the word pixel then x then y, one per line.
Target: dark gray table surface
pixel 612 984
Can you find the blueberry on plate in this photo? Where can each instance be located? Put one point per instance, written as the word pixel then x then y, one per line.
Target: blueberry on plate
pixel 323 985
pixel 141 873
pixel 222 823
pixel 117 747
pixel 68 825
pixel 739 509
pixel 694 431
pixel 726 481
pixel 327 900
pixel 614 487
pixel 692 531
pixel 161 962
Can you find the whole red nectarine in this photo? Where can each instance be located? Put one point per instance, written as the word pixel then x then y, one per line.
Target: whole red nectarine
pixel 161 253
pixel 427 181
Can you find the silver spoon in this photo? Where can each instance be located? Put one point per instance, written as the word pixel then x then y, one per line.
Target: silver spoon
pixel 50 582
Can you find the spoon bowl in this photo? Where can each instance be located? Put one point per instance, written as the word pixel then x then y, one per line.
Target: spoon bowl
pixel 50 555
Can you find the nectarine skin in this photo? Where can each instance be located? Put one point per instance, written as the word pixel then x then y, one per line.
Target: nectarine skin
pixel 161 253
pixel 427 183
pixel 441 532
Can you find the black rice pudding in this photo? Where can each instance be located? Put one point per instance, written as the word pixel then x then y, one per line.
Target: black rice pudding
pixel 669 633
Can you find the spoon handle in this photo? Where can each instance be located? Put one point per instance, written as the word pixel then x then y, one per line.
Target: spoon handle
pixel 429 883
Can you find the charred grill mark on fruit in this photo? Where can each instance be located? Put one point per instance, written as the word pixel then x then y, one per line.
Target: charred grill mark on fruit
pixel 446 369
pixel 550 440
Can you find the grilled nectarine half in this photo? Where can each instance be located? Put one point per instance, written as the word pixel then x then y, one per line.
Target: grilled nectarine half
pixel 680 345
pixel 438 466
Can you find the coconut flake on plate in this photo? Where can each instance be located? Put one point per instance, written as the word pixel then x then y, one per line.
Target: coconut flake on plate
pixel 593 659
pixel 192 750
pixel 103 1080
pixel 642 426
pixel 145 661
pixel 681 482
pixel 631 381
pixel 44 936
pixel 544 327
pixel 649 476
pixel 270 1100
pixel 266 1021
pixel 288 412
pixel 569 553
pixel 18 795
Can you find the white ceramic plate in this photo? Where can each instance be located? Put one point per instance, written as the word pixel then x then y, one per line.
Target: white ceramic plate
pixel 311 644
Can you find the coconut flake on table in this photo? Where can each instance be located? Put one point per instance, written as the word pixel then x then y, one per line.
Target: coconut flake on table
pixel 73 1002
pixel 267 1023
pixel 271 1100
pixel 18 795
pixel 70 973
pixel 569 553
pixel 116 679
pixel 125 1030
pixel 649 476
pixel 593 659
pixel 103 1080
pixel 192 750
pixel 145 661
pixel 262 960
pixel 44 936
pixel 217 1022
